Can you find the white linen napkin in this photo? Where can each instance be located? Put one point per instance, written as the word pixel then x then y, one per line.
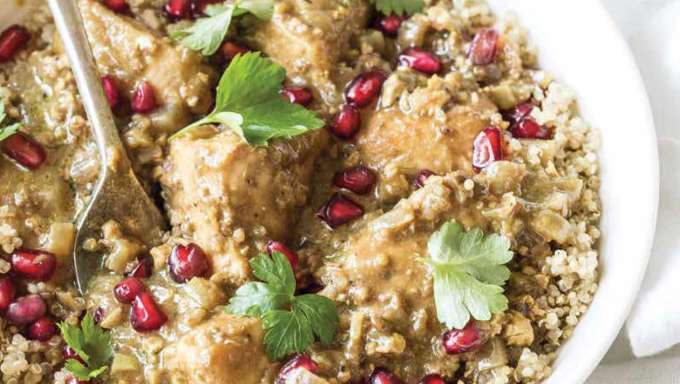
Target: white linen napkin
pixel 654 323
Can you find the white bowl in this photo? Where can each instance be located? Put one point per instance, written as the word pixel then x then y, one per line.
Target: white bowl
pixel 580 45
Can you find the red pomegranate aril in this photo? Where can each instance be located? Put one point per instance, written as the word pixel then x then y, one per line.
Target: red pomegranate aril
pixel 128 289
pixel 422 176
pixel 73 380
pixel 365 88
pixel 42 329
pixel 33 264
pixel 464 340
pixel 111 90
pixel 12 40
pixel 277 246
pixel 383 376
pixel 198 7
pixel 528 128
pixel 518 114
pixel 70 353
pixel 24 150
pixel 389 25
pixel 186 262
pixel 118 6
pixel 231 49
pixel 143 99
pixel 432 378
pixel 179 9
pixel 487 148
pixel 98 315
pixel 484 46
pixel 298 95
pixel 346 123
pixel 296 362
pixel 7 292
pixel 26 310
pixel 339 210
pixel 145 314
pixel 421 61
pixel 143 269
pixel 359 179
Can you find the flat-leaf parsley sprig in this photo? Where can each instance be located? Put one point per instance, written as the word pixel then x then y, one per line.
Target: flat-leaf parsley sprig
pixel 469 272
pixel 9 130
pixel 398 7
pixel 248 101
pixel 291 323
pixel 93 346
pixel 207 33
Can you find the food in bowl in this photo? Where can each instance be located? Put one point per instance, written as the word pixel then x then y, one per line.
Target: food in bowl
pixel 358 191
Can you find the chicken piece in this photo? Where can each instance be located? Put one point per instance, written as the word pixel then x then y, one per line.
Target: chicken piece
pixel 380 276
pixel 224 350
pixel 388 141
pixel 130 52
pixel 316 34
pixel 229 196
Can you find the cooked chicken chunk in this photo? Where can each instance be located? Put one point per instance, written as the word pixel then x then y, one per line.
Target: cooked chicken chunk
pixel 309 38
pixel 130 52
pixel 228 195
pixel 224 350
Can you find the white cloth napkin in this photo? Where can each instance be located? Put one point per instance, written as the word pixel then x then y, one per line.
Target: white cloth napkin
pixel 654 323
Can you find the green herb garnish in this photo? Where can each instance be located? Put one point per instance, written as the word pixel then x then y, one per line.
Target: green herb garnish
pixel 248 101
pixel 398 7
pixel 92 344
pixel 207 33
pixel 469 272
pixel 9 130
pixel 291 322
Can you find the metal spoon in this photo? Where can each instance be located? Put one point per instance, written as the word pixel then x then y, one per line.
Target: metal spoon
pixel 117 194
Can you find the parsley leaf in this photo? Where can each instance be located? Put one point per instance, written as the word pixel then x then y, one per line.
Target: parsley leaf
pixel 207 33
pixel 291 322
pixel 9 130
pixel 398 7
pixel 248 101
pixel 92 344
pixel 469 272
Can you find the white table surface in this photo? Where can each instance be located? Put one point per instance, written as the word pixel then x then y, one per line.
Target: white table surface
pixel 619 366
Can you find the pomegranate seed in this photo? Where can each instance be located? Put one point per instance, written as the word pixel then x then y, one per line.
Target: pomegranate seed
pixel 487 148
pixel 297 361
pixel 42 329
pixel 186 262
pixel 339 210
pixel 26 309
pixel 178 9
pixel 518 114
pixel 143 269
pixel 70 353
pixel 12 40
pixel 346 124
pixel 230 49
pixel 463 340
pixel 73 380
pixel 359 179
pixel 7 292
pixel 277 246
pixel 298 95
pixel 422 176
pixel 199 6
pixel 34 265
pixel 364 88
pixel 118 6
pixel 128 289
pixel 98 315
pixel 484 46
pixel 145 315
pixel 432 378
pixel 144 99
pixel 529 129
pixel 389 25
pixel 24 150
pixel 383 376
pixel 111 90
pixel 421 61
